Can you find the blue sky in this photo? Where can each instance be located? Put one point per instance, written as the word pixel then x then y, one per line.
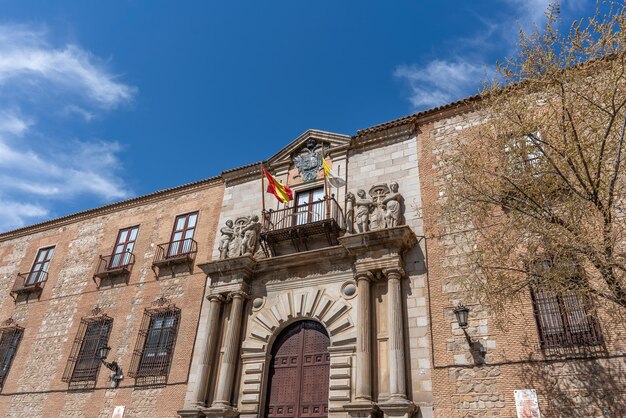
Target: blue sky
pixel 102 101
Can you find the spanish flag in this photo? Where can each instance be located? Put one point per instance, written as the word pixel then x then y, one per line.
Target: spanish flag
pixel 333 179
pixel 277 188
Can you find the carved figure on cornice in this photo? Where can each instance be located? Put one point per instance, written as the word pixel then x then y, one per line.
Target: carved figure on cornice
pixel 387 206
pixel 228 234
pixel 392 203
pixel 235 245
pixel 350 199
pixel 363 208
pixel 308 160
pixel 378 193
pixel 251 236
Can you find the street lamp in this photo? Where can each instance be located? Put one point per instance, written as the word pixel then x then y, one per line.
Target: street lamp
pixel 462 313
pixel 103 352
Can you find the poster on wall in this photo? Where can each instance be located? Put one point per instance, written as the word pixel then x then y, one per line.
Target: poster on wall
pixel 526 403
pixel 118 412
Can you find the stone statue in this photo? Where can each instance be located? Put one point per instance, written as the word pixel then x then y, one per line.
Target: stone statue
pixel 392 206
pixel 227 236
pixel 383 210
pixel 377 215
pixel 251 233
pixel 363 207
pixel 235 244
pixel 350 212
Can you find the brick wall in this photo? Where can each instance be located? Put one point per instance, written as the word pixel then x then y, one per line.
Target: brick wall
pixel 566 384
pixel 33 386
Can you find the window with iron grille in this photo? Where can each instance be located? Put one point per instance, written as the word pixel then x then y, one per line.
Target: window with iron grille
pixel 84 361
pixel 564 317
pixel 155 344
pixel 9 341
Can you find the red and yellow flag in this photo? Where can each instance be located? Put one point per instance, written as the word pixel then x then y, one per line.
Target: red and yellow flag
pixel 277 188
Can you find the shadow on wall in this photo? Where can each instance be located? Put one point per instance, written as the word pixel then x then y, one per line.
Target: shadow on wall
pixel 578 383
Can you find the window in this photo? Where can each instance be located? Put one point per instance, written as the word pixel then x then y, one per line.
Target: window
pixel 40 267
pixel 155 344
pixel 182 235
pixel 84 361
pixel 564 318
pixel 310 206
pixel 122 252
pixel 524 153
pixel 10 338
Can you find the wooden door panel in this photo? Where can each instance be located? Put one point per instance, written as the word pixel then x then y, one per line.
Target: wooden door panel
pixel 299 373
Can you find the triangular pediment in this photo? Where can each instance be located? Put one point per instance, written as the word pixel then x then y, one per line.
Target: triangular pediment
pixel 335 142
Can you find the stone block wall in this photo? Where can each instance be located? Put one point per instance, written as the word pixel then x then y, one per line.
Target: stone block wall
pixel 385 157
pixel 33 386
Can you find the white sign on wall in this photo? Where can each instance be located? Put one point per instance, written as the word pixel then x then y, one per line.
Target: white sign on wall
pixel 526 403
pixel 118 412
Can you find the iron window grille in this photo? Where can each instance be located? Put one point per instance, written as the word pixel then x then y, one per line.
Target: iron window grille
pixel 84 361
pixel 564 317
pixel 10 337
pixel 154 349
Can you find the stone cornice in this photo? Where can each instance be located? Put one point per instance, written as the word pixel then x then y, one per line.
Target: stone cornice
pixel 369 251
pixel 400 239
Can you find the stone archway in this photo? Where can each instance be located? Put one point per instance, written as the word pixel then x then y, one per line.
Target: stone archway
pixel 299 372
pixel 270 316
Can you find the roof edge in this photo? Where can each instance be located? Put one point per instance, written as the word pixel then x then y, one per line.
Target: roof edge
pixel 63 220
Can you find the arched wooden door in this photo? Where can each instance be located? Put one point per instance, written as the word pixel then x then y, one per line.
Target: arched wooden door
pixel 299 372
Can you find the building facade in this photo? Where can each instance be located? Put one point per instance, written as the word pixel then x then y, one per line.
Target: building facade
pixel 105 278
pixel 216 300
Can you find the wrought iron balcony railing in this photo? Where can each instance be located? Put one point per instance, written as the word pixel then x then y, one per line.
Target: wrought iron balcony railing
pixel 114 265
pixel 297 223
pixel 175 252
pixel 33 281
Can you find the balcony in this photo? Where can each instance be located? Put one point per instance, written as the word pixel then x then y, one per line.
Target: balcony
pixel 31 282
pixel 304 227
pixel 173 254
pixel 114 266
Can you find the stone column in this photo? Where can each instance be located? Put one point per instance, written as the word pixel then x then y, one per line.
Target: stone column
pixel 363 338
pixel 397 405
pixel 397 375
pixel 198 386
pixel 215 308
pixel 231 350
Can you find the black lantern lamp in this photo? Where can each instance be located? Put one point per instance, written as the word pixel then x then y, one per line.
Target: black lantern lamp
pixel 103 352
pixel 462 313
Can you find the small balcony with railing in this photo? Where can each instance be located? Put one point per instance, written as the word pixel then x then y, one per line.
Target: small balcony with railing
pixel 27 283
pixel 303 227
pixel 175 255
pixel 115 266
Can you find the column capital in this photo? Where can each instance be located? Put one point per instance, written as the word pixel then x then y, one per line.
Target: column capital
pixel 218 297
pixel 364 275
pixel 394 273
pixel 237 294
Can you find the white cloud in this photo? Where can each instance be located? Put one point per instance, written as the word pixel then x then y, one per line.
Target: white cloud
pixel 440 81
pixel 38 169
pixel 444 79
pixel 15 214
pixel 26 56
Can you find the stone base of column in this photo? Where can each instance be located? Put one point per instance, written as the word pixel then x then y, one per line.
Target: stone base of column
pixel 221 411
pixel 191 413
pixel 361 408
pixel 398 407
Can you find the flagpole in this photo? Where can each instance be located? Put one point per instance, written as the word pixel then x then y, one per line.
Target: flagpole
pixel 263 189
pixel 325 186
